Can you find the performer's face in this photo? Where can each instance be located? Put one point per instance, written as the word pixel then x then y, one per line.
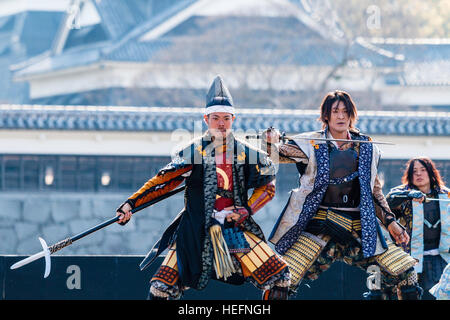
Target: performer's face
pixel 421 179
pixel 219 123
pixel 339 120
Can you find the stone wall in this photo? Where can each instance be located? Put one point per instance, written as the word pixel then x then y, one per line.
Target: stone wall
pixel 55 216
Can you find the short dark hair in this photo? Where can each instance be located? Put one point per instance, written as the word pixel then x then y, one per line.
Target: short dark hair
pixel 328 101
pixel 433 173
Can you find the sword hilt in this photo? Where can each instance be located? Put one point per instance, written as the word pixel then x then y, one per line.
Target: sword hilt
pixel 59 245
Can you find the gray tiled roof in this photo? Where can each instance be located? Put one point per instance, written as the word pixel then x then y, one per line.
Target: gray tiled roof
pixel 137 51
pixel 28 33
pixel 35 117
pixel 119 16
pixel 22 36
pixel 114 38
pixel 89 34
pixel 222 39
pixel 38 30
pixel 416 51
pixel 267 40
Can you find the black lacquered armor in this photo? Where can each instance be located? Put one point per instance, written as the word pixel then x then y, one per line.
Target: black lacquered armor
pixel 345 194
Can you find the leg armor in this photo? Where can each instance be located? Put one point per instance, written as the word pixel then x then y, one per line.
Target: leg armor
pixel 261 265
pixel 302 255
pixel 164 283
pixel 399 264
pixel 395 261
pixel 276 293
pixel 408 287
pixel 155 294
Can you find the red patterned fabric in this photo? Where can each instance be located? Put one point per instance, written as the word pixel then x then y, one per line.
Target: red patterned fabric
pixel 167 275
pixel 224 170
pixel 168 271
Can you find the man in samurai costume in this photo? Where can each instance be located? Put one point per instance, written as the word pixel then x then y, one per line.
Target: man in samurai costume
pixel 421 205
pixel 338 212
pixel 218 171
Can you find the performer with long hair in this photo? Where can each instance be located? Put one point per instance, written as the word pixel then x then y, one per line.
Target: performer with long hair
pixel 421 204
pixel 338 212
pixel 214 236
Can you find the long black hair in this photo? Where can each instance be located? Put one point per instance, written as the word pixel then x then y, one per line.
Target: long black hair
pixel 436 181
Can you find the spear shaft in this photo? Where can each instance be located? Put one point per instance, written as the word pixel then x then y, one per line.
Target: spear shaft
pixel 68 241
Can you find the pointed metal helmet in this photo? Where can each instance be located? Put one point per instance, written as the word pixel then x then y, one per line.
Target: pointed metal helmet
pixel 218 98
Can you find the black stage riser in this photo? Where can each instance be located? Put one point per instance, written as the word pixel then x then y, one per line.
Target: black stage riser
pixel 119 277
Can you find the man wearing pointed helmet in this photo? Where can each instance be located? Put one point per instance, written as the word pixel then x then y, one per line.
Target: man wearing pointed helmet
pixel 215 235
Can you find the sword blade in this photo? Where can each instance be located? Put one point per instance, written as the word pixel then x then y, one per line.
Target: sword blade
pixel 28 260
pixel 432 199
pixel 259 136
pixel 426 199
pixel 340 140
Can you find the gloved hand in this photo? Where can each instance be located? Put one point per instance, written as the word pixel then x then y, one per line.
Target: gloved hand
pixel 416 195
pixel 239 215
pixel 124 211
pixel 271 135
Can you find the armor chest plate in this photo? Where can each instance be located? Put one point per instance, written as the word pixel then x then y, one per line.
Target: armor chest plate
pixel 343 163
pixel 432 225
pixel 346 194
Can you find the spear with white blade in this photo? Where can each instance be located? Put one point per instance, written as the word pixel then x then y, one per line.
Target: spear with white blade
pixel 47 251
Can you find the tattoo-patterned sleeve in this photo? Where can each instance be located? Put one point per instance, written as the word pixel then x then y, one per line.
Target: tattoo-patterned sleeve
pixel 261 196
pixel 286 153
pixel 381 206
pixel 166 180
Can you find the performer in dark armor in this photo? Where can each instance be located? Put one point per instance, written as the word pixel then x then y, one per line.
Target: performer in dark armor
pixel 421 204
pixel 338 212
pixel 215 235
